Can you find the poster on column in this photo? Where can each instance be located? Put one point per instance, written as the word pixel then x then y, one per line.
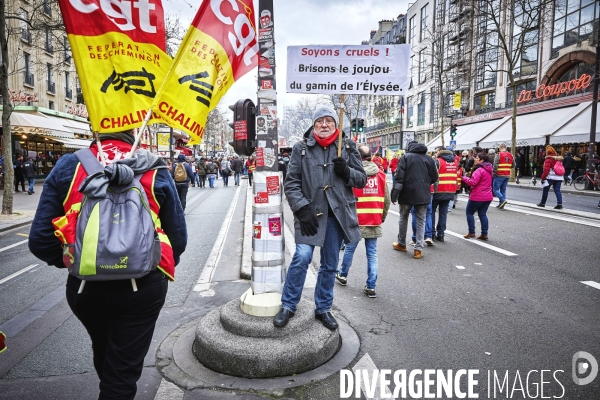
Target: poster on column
pixel 332 69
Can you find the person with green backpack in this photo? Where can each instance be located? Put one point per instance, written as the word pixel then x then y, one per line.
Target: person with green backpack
pixel 120 231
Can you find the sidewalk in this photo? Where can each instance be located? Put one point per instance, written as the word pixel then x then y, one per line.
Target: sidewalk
pixel 24 207
pixel 525 183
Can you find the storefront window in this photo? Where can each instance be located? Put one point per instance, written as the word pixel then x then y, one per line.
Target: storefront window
pixel 44 153
pixel 575 73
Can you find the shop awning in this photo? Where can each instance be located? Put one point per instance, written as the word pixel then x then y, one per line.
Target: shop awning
pixel 533 128
pixel 74 143
pixel 577 129
pixel 467 136
pixel 39 124
pixel 77 127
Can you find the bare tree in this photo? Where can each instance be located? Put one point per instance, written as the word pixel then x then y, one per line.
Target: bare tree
pixel 508 36
pixel 174 32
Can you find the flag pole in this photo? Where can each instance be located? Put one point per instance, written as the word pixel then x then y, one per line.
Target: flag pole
pixel 341 118
pixel 100 152
pixel 139 134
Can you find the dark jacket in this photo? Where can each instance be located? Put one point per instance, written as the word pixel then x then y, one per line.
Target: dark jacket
pixel 416 172
pixel 201 166
pixel 29 169
pixel 237 165
pixel 307 177
pixel 188 171
pixel 47 247
pixel 18 167
pixel 568 161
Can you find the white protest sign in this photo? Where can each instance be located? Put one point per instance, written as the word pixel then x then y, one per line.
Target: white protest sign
pixel 348 69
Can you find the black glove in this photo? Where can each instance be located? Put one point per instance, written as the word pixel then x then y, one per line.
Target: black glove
pixel 396 192
pixel 308 221
pixel 340 167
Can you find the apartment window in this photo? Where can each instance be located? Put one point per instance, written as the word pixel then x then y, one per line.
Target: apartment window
pixel 48 42
pixel 423 32
pixel 423 65
pixel 51 85
pixel 51 105
pixel 67 49
pixel 47 9
pixel 28 70
pixel 25 34
pixel 411 30
pixel 573 22
pixel 409 112
pixel 68 90
pixel 525 31
pixel 421 109
pixel 485 101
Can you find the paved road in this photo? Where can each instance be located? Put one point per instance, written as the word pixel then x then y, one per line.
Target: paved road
pixel 466 304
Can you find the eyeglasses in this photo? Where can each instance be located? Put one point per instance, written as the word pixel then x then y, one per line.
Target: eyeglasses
pixel 326 120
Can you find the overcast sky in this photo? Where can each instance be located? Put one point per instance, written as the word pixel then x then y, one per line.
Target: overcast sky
pixel 303 22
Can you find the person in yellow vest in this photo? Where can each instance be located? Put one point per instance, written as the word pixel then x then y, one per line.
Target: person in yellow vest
pixel 503 162
pixel 444 190
pixel 372 208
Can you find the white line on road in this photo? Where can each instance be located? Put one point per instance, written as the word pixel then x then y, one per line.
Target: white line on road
pixel 208 271
pixel 8 278
pixel 460 267
pixel 474 241
pixel 369 381
pixel 583 220
pixel 592 284
pixel 13 245
pixel 168 391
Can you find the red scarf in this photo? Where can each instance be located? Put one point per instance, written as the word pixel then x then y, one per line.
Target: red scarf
pixel 327 141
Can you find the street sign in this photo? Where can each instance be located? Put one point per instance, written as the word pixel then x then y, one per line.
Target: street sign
pixel 453 144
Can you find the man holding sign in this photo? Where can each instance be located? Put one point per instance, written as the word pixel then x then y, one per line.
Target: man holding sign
pixel 318 187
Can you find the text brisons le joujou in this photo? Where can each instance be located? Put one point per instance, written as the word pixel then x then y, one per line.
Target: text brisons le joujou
pixel 348 69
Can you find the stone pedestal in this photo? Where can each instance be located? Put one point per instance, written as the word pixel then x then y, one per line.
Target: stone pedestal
pixel 232 342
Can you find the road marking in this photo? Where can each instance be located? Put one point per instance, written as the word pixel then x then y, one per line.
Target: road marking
pixel 168 391
pixel 373 391
pixel 592 284
pixel 13 245
pixel 22 234
pixel 460 267
pixel 208 271
pixel 8 278
pixel 476 242
pixel 290 244
pixel 557 216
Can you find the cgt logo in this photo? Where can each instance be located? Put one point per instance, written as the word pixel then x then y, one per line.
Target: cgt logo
pixel 580 368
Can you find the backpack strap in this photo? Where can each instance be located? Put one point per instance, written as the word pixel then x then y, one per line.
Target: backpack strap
pixel 89 161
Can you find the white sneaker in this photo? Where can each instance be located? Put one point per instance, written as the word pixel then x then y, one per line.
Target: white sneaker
pixel 429 242
pixel 412 243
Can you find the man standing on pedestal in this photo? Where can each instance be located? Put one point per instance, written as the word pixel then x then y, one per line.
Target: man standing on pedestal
pixel 318 187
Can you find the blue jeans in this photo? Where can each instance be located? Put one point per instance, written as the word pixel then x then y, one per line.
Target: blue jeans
pixel 500 183
pixel 444 205
pixel 296 275
pixel 236 178
pixel 481 208
pixel 552 184
pixel 211 180
pixel 428 223
pixel 372 265
pixel 31 183
pixel 225 179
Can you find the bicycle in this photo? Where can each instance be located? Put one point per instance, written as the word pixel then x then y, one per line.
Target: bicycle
pixel 589 178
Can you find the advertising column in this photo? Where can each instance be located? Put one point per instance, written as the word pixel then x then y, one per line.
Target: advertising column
pixel 268 267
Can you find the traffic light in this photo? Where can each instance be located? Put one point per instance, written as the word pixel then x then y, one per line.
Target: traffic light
pixel 452 131
pixel 244 127
pixel 353 125
pixel 361 125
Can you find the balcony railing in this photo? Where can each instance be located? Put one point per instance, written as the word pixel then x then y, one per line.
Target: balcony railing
pixel 25 35
pixel 51 87
pixel 49 48
pixel 29 80
pixel 68 93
